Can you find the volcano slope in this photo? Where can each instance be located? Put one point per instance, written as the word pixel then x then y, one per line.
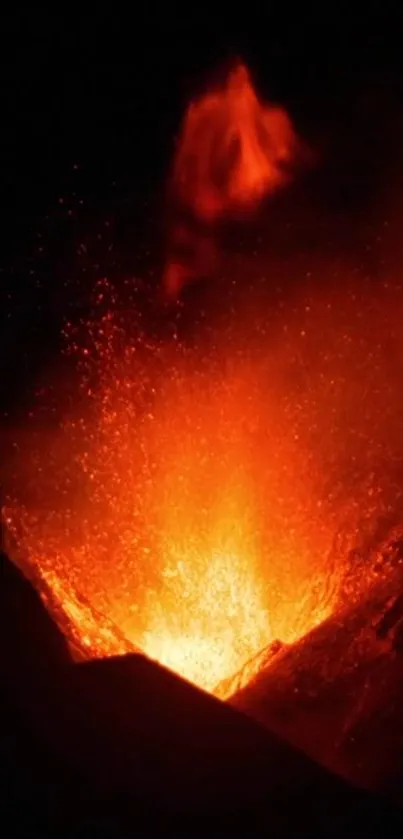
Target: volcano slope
pixel 337 693
pixel 116 744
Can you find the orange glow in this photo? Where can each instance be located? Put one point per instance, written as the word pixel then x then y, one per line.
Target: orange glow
pixel 232 151
pixel 198 503
pixel 171 512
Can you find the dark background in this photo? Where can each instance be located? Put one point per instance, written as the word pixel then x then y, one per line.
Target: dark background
pixel 90 103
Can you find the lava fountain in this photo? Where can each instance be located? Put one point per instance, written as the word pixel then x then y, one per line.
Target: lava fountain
pixel 160 504
pixel 189 501
pixel 187 504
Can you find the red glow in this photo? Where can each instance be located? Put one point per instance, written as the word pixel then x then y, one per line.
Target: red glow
pixel 233 149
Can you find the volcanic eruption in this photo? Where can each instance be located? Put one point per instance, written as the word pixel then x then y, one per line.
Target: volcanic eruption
pixel 188 501
pixel 233 150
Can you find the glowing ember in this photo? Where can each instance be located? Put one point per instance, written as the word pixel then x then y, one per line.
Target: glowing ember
pixel 233 149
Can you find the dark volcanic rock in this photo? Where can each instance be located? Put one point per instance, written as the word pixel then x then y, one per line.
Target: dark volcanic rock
pixel 110 746
pixel 31 645
pixel 338 692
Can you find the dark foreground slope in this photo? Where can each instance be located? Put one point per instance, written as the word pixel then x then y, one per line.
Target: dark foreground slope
pixel 338 692
pixel 123 745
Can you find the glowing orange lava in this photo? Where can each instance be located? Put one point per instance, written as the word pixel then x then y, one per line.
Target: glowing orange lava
pixel 163 505
pixel 211 631
pixel 198 502
pixel 233 149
